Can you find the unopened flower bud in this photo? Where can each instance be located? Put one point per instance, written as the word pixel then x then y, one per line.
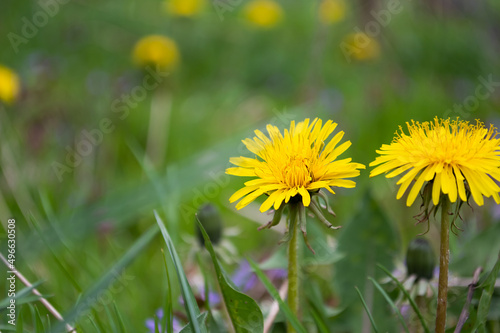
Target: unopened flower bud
pixel 420 259
pixel 210 218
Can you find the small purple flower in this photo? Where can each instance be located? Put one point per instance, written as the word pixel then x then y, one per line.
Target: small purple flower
pixel 245 279
pixel 213 297
pixel 150 323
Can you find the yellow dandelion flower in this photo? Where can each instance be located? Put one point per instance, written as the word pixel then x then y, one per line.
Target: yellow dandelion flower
pixel 455 157
pixel 156 50
pixel 9 85
pixel 187 8
pixel 263 13
pixel 294 165
pixel 331 11
pixel 360 46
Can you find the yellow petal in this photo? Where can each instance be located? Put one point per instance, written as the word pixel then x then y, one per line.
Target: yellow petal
pixel 306 197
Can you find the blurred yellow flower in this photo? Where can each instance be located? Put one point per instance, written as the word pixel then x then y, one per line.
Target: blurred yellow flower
pixel 185 8
pixel 156 50
pixel 455 157
pixel 331 11
pixel 9 85
pixel 360 46
pixel 294 165
pixel 263 13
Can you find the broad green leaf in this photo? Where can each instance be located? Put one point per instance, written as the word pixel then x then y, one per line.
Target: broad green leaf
pixel 190 304
pixel 408 296
pixel 85 303
pixel 275 294
pixel 389 300
pixel 202 317
pixel 478 249
pixel 244 312
pixel 317 307
pixel 484 302
pixel 368 238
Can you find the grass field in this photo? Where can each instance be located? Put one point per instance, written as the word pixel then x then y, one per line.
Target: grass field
pixel 97 135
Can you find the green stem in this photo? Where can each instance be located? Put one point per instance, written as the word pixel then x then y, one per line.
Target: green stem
pixel 444 259
pixel 293 264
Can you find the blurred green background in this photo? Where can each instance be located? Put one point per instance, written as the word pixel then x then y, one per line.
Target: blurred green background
pixel 358 63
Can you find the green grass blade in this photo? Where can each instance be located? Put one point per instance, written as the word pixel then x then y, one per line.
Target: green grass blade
pixel 40 320
pixel 80 309
pixel 157 330
pixel 244 312
pixel 94 324
pixel 62 266
pixel 201 321
pixel 275 294
pixel 320 324
pixel 189 301
pixel 391 303
pixel 120 318
pixel 410 299
pixel 372 321
pixel 23 293
pixel 167 322
pixel 111 320
pixel 316 307
pixel 484 302
pixel 20 321
pixel 169 199
pixel 204 273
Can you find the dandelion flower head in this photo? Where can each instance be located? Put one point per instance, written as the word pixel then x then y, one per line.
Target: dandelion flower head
pixel 263 13
pixel 186 8
pixel 331 11
pixel 9 85
pixel 156 50
pixel 361 46
pixel 456 156
pixel 296 164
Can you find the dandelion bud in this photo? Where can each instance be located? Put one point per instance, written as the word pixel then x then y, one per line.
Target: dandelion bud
pixel 420 259
pixel 211 220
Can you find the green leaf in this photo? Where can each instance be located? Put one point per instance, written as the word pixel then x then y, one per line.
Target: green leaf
pixel 317 307
pixel 94 324
pixel 167 322
pixel 20 322
pixel 275 294
pixel 189 301
pixel 23 296
pixel 244 312
pixel 484 302
pixel 83 307
pixel 369 238
pixel 479 250
pixel 374 326
pixel 111 320
pixel 410 299
pixel 201 321
pixel 120 318
pixel 391 303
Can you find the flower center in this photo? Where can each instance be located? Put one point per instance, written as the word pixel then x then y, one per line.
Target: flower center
pixel 296 173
